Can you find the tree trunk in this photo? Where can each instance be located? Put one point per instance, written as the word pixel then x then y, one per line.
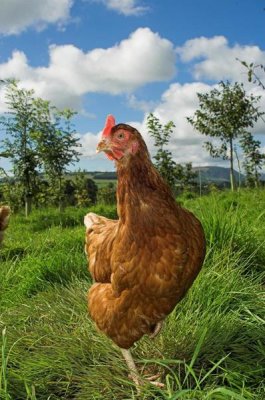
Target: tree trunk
pixel 256 178
pixel 28 204
pixel 60 195
pixel 200 181
pixel 232 176
pixel 239 170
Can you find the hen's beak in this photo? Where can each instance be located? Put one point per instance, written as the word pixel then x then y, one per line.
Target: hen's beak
pixel 103 145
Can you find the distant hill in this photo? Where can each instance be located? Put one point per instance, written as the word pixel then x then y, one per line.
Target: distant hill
pixel 216 174
pixel 219 174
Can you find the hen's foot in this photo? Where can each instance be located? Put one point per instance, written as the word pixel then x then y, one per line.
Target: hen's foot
pixel 153 380
pixel 138 380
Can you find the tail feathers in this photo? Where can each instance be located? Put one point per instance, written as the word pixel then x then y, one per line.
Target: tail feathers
pixel 4 217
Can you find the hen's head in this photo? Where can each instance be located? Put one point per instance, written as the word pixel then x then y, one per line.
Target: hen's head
pixel 120 141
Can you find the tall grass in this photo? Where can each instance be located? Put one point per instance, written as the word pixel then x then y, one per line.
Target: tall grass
pixel 3 375
pixel 211 347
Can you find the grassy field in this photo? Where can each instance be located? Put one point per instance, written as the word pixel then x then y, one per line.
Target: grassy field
pixel 211 347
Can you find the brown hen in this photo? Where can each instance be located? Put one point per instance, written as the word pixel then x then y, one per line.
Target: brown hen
pixel 144 262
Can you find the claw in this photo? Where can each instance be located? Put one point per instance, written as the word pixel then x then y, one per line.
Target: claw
pixel 153 377
pixel 153 380
pixel 157 384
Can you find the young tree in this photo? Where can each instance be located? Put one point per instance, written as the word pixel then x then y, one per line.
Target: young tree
pixel 57 146
pixel 163 157
pixel 225 113
pixel 253 159
pixel 20 126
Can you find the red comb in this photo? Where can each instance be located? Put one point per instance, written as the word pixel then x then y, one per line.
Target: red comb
pixel 110 122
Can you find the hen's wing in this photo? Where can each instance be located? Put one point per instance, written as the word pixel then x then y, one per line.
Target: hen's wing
pixel 4 217
pixel 150 274
pixel 100 236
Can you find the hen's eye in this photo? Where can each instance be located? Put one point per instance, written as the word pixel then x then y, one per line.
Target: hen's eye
pixel 120 135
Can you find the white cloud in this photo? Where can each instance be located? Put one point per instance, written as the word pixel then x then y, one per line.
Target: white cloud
pixel 119 69
pixel 143 105
pixel 217 60
pixel 125 7
pixel 18 15
pixel 89 143
pixel 178 103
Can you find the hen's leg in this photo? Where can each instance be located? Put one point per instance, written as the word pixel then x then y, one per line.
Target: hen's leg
pixel 135 374
pixel 132 367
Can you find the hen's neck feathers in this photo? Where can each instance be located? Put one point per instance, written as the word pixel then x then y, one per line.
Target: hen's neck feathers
pixel 139 185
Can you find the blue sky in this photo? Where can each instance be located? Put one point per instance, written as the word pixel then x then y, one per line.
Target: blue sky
pixel 129 58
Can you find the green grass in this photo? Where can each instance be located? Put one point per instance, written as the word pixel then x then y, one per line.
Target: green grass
pixel 212 346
